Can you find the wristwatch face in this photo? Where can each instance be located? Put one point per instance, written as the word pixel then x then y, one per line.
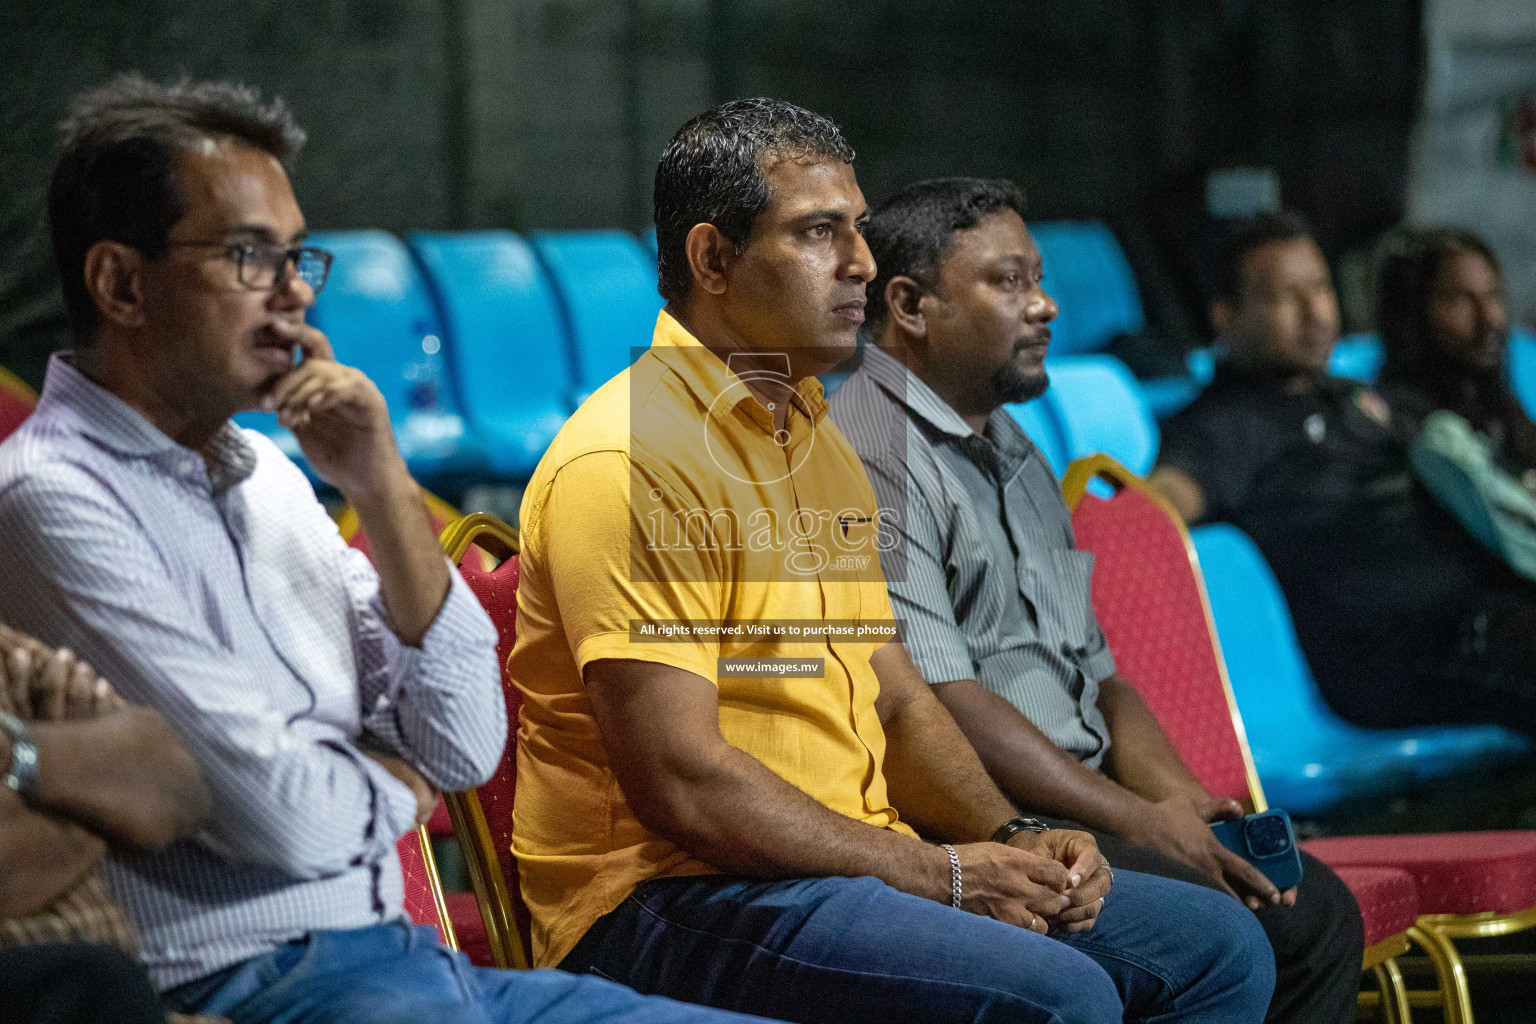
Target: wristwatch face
pixel 22 774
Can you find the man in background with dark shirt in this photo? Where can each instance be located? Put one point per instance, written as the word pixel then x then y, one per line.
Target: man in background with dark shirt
pixel 1404 619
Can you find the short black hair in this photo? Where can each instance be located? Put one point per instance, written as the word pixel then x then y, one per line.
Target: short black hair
pixel 912 232
pixel 1407 264
pixel 115 177
pixel 713 172
pixel 1242 237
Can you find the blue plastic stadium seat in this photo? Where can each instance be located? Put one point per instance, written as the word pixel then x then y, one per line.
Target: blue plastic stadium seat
pixel 1358 357
pixel 1098 407
pixel 379 317
pixel 506 341
pixel 1166 396
pixel 1202 365
pixel 606 284
pixel 1086 272
pixel 1039 422
pixel 1309 759
pixel 1522 368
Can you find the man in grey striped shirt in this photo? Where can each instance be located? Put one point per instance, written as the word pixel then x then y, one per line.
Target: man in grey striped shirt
pixel 188 560
pixel 994 593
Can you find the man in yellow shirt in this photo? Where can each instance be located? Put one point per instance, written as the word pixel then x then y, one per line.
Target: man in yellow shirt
pixel 725 757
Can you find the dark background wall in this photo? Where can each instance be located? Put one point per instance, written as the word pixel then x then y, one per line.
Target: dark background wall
pixel 550 113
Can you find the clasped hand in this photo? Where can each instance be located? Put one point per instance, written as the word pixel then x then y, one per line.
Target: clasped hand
pixel 1037 880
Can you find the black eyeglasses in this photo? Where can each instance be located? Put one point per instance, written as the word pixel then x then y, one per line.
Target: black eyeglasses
pixel 261 265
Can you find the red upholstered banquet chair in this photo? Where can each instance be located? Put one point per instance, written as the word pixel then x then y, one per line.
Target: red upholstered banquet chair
pixel 1151 603
pixel 482 818
pixel 1471 885
pixel 16 402
pixel 1389 906
pixel 424 897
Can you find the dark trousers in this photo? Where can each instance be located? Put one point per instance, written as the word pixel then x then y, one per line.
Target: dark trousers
pixel 1478 667
pixel 75 984
pixel 1319 943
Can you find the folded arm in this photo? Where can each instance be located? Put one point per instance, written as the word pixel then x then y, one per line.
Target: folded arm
pixel 295 794
pixel 115 769
pixel 426 652
pixel 41 857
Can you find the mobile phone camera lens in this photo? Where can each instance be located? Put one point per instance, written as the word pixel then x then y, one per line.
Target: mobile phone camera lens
pixel 1267 837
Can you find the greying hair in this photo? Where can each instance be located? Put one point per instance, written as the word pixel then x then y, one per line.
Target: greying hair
pixel 115 178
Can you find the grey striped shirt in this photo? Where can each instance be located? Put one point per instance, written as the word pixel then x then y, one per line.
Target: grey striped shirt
pixel 214 588
pixel 983 568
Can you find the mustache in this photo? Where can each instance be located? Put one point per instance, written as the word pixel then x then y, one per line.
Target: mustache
pixel 1040 337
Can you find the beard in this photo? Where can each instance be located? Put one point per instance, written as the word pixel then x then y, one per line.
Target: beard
pixel 1011 384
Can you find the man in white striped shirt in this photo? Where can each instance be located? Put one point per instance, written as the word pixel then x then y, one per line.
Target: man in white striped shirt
pixel 994 594
pixel 188 560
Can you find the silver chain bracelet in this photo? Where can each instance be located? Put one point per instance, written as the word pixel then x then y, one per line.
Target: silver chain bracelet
pixel 954 875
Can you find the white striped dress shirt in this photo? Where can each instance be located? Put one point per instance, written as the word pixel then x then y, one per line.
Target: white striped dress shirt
pixel 214 588
pixel 984 574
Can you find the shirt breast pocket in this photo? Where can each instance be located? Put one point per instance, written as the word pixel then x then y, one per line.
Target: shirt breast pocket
pixel 1074 597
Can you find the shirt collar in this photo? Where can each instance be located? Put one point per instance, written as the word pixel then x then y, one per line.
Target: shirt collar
pixel 908 390
pixel 114 424
pixel 922 402
pixel 716 385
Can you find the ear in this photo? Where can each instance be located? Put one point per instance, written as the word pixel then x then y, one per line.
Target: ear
pixel 1223 317
pixel 904 306
pixel 710 255
pixel 114 279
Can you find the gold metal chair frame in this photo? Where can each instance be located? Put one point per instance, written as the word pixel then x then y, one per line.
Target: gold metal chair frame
pixel 16 386
pixel 435 883
pixel 1393 997
pixel 470 828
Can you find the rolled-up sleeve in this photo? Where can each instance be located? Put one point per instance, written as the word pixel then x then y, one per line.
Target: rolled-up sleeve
pixel 295 794
pixel 438 705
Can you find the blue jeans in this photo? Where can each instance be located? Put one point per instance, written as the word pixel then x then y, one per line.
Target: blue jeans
pixel 398 974
pixel 849 950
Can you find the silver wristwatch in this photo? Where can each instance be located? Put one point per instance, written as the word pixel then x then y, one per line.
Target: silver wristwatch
pixel 22 775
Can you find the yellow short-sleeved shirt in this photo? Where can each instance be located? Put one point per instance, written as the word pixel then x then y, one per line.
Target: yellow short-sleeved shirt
pixel 669 496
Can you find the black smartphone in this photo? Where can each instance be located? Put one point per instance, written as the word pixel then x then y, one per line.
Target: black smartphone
pixel 1268 842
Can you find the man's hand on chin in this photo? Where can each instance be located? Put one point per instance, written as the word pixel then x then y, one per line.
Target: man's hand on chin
pixel 340 420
